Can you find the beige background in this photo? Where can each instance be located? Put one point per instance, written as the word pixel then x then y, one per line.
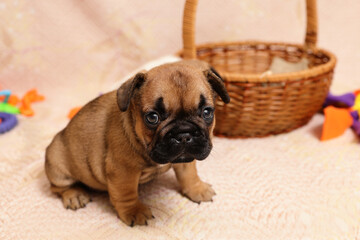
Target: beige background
pixel 59 42
pixel 290 186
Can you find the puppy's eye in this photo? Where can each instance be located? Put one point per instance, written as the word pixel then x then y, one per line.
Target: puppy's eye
pixel 152 118
pixel 208 113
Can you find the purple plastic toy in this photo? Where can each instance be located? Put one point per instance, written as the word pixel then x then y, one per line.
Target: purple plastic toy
pixel 347 100
pixel 8 122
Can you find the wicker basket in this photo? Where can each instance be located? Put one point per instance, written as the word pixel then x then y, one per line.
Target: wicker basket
pixel 264 104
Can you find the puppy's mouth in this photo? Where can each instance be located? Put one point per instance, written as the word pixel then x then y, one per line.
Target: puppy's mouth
pixel 183 159
pixel 162 159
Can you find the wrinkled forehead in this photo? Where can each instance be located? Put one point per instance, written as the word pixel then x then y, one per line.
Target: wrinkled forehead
pixel 177 89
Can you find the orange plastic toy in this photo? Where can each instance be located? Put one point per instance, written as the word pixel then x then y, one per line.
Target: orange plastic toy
pixel 13 100
pixel 73 112
pixel 30 97
pixel 337 120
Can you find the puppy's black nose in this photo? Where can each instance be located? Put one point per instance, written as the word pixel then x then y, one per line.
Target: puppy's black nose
pixel 183 138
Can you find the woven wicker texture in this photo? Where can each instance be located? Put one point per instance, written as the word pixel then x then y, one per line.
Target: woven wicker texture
pixel 264 104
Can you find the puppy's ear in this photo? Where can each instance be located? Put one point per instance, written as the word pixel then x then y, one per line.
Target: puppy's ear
pixel 217 84
pixel 127 89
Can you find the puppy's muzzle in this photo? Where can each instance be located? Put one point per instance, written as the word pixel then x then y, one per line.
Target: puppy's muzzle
pixel 184 142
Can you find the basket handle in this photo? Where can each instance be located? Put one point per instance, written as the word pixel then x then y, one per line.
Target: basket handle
pixel 190 17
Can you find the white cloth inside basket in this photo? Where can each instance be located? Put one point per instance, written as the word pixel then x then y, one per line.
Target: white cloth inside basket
pixel 280 65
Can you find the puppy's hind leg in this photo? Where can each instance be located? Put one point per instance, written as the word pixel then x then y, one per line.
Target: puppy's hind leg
pixel 73 195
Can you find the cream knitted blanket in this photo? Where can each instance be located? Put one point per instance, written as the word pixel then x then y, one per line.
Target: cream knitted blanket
pixel 290 186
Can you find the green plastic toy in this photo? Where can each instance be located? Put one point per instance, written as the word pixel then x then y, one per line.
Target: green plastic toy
pixel 7 108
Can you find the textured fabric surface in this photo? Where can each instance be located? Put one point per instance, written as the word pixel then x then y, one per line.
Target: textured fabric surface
pixel 290 186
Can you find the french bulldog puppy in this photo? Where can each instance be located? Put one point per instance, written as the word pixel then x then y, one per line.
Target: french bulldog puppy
pixel 156 120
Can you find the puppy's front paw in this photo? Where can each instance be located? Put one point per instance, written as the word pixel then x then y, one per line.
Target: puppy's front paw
pixel 75 198
pixel 199 192
pixel 135 215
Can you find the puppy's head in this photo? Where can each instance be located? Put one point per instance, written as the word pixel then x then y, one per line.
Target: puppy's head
pixel 172 109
